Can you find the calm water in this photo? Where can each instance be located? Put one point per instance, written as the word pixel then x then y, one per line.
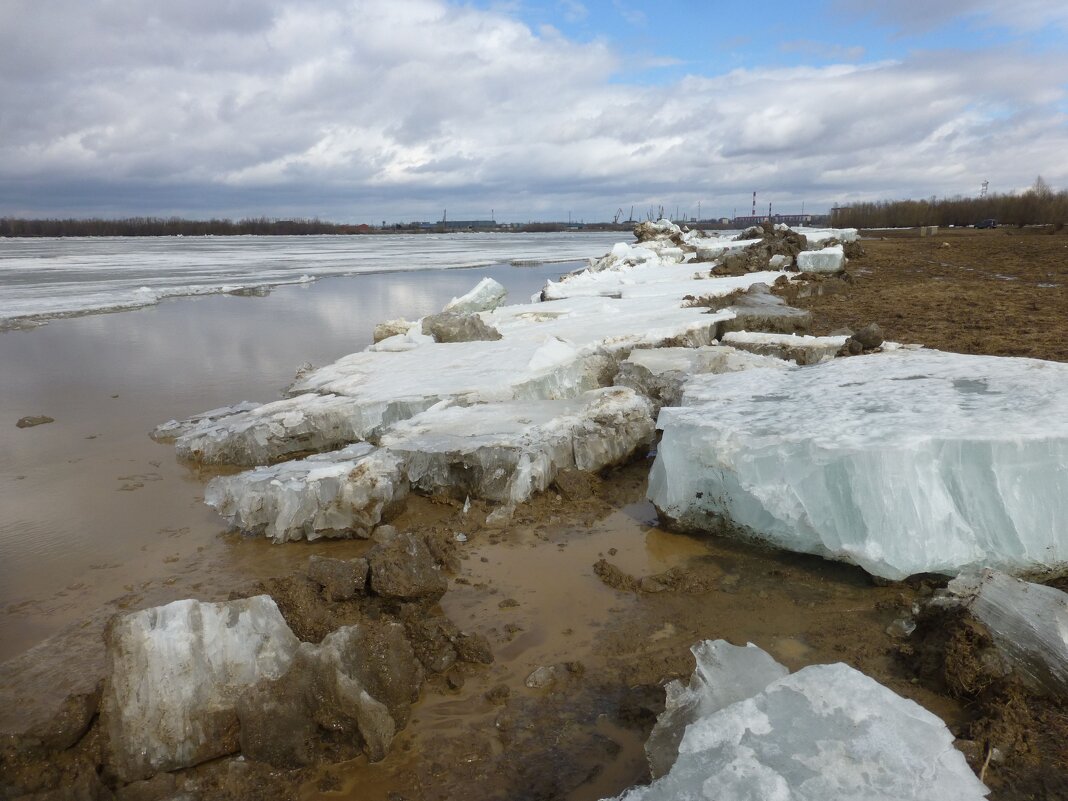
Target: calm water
pixel 90 507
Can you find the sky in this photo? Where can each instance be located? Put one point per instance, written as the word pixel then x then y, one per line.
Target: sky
pixel 398 110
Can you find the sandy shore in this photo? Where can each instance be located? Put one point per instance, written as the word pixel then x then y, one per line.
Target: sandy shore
pixel 540 590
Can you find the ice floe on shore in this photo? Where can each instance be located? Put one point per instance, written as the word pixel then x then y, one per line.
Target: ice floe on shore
pixel 745 728
pixel 502 452
pixel 904 462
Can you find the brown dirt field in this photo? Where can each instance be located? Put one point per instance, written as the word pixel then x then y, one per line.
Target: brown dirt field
pixel 1002 292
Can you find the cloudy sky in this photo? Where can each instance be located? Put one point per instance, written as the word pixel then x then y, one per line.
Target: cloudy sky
pixel 371 110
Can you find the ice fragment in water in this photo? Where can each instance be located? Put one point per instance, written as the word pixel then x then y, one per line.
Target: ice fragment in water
pixel 825 732
pixel 903 462
pixel 486 295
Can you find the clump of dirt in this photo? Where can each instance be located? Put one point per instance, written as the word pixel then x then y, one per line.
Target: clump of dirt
pixel 1016 739
pixel 675 579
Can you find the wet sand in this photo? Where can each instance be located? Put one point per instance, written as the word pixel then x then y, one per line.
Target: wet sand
pixel 532 589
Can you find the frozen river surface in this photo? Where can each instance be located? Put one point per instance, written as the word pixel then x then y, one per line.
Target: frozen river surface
pixel 43 278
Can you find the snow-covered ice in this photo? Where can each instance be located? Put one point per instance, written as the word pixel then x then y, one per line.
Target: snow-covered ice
pixel 175 673
pixel 341 494
pixel 824 732
pixel 508 451
pixel 1028 623
pixel 903 462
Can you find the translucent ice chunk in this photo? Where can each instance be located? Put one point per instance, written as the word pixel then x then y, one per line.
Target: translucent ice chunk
pixel 341 494
pixel 724 674
pixel 903 462
pixel 486 295
pixel 825 732
pixel 825 260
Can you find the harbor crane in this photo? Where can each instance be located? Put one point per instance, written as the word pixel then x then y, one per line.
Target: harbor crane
pixel 619 213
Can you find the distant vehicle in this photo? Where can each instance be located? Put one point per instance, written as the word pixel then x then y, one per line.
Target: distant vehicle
pixel 987 224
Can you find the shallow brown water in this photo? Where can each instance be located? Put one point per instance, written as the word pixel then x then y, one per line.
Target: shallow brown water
pixel 90 507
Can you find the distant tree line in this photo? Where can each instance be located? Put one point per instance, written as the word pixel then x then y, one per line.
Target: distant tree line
pixel 1039 205
pixel 173 226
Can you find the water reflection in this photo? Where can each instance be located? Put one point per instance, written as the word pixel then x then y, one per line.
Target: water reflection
pixel 90 507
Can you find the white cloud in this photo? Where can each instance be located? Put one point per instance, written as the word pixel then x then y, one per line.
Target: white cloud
pixel 1021 15
pixel 381 109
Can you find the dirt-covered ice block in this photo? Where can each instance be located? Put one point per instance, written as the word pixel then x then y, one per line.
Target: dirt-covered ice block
pixel 801 349
pixel 1028 623
pixel 487 294
pixel 305 423
pixel 825 260
pixel 824 732
pixel 903 462
pixel 341 494
pixel 508 451
pixel 175 675
pixel 660 373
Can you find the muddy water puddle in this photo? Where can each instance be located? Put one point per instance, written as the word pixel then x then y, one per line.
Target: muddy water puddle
pixel 533 591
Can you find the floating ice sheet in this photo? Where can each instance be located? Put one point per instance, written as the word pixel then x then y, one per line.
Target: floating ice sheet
pixel 903 462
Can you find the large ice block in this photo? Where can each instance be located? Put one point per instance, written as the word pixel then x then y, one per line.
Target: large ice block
pixel 1028 623
pixel 825 260
pixel 825 732
pixel 341 494
pixel 507 451
pixel 903 462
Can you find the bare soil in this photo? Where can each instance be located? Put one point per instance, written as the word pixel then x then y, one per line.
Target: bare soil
pixel 585 584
